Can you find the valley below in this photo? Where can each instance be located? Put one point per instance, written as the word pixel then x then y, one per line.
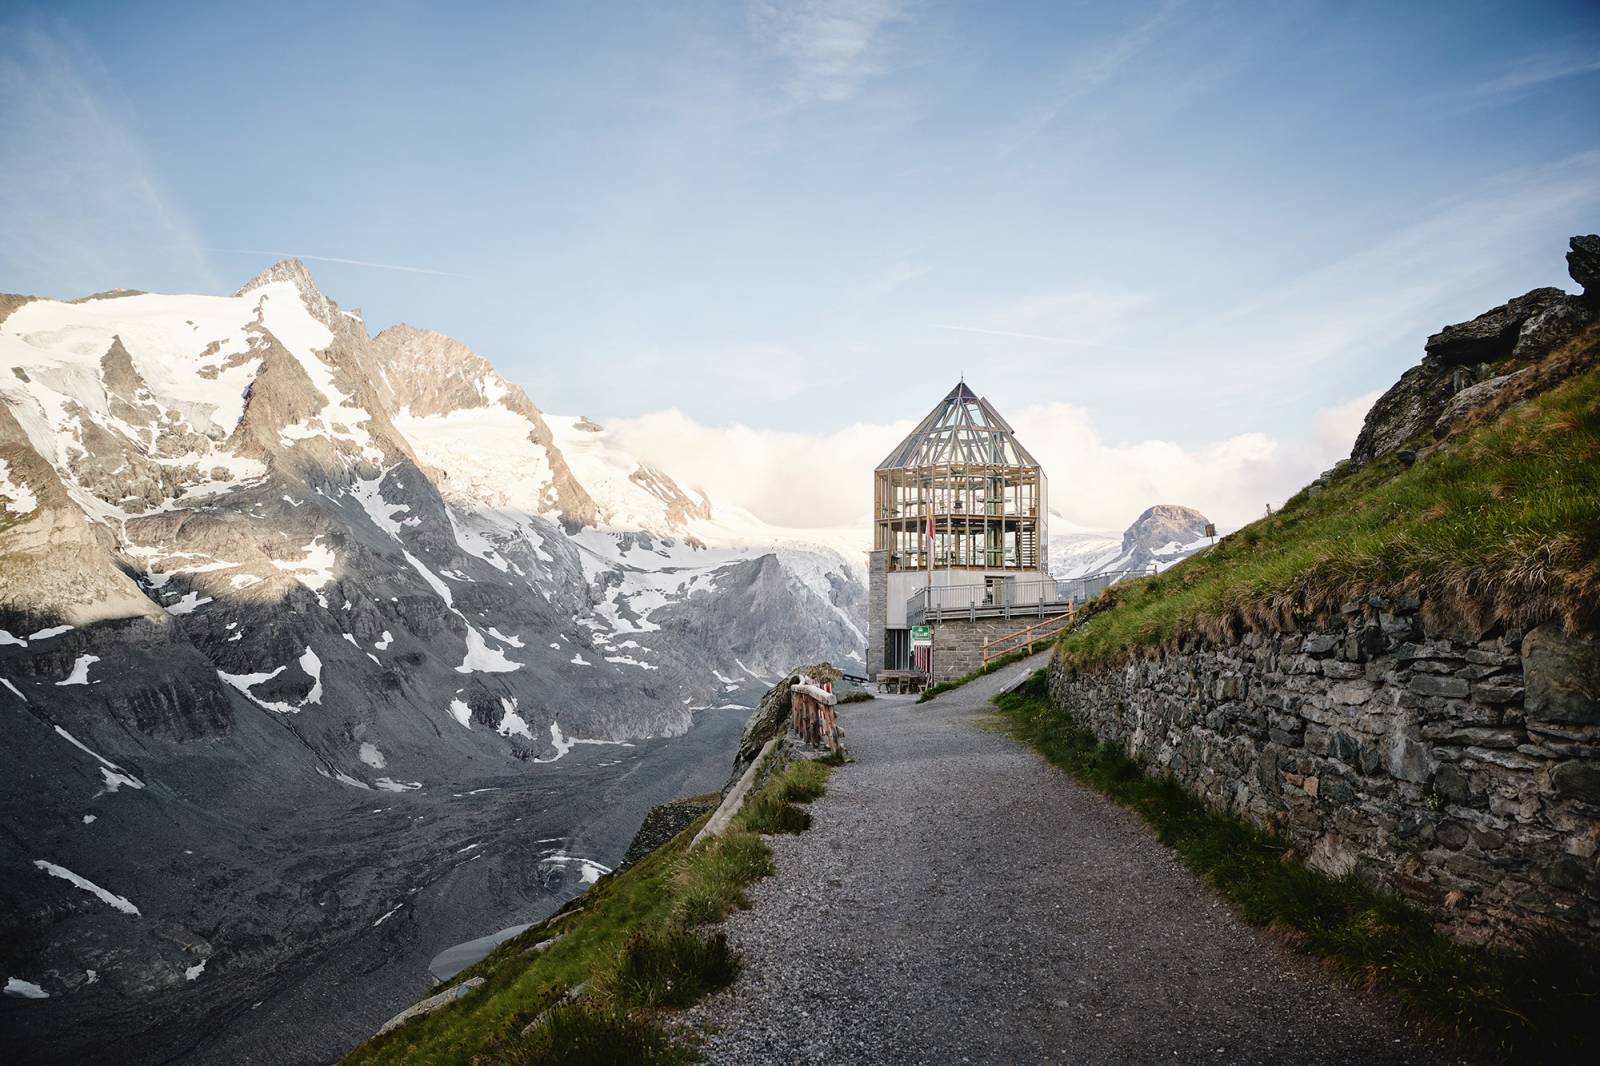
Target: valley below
pixel 351 897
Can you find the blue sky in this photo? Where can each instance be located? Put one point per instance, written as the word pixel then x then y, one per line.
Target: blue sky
pixel 1186 225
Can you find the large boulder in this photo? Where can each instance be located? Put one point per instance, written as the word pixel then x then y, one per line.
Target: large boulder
pixel 1492 335
pixel 1583 263
pixel 1551 328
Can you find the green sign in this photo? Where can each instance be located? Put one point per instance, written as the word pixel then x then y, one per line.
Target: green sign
pixel 921 633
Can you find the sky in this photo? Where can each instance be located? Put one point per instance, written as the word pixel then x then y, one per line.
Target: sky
pixel 1181 246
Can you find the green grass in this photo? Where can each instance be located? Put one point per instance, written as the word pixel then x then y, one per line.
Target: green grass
pixel 1499 524
pixel 860 695
pixel 999 664
pixel 638 942
pixel 1541 1005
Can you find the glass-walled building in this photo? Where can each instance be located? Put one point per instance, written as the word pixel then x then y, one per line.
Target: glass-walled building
pixel 960 510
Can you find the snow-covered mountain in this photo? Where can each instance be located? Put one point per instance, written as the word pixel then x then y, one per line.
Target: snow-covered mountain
pixel 1161 536
pixel 253 558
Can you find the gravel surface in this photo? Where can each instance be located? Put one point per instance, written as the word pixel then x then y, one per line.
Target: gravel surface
pixel 959 900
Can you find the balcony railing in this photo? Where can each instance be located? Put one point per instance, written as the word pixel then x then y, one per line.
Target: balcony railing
pixel 1008 599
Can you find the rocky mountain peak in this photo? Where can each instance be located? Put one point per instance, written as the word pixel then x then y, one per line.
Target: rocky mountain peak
pixel 430 373
pixel 294 271
pixel 291 270
pixel 1163 524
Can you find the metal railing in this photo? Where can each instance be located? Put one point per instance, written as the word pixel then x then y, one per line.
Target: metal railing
pixel 1012 598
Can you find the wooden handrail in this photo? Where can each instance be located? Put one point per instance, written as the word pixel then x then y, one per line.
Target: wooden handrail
pixel 1027 636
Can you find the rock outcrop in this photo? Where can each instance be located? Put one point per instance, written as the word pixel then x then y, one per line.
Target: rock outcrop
pixel 1583 263
pixel 1471 366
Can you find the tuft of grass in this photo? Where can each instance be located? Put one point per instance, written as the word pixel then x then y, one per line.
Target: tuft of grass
pixel 673 967
pixel 1538 1004
pixel 1497 524
pixel 804 781
pixel 771 813
pixel 579 1035
pixel 860 695
pixel 712 887
pixel 639 946
pixel 999 664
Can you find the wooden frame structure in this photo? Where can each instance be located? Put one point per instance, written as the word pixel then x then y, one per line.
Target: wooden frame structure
pixel 986 494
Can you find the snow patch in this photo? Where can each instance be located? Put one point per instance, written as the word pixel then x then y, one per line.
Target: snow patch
pixel 188 603
pixel 313 668
pixel 109 898
pixel 20 499
pixel 80 671
pixel 511 722
pixel 483 659
pixel 16 986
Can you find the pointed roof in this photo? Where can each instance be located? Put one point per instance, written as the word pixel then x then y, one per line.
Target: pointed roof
pixel 963 428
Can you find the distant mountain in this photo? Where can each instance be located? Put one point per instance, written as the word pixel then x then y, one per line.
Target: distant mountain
pixel 1161 536
pixel 257 559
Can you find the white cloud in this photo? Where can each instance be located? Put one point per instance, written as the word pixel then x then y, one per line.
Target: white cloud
pixel 84 209
pixel 796 479
pixel 834 46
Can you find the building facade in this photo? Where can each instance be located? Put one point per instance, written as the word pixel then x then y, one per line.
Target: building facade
pixel 959 524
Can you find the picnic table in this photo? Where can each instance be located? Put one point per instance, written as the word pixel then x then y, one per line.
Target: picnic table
pixel 901 680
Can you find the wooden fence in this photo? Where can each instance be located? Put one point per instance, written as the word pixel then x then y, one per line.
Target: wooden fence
pixel 812 714
pixel 1027 637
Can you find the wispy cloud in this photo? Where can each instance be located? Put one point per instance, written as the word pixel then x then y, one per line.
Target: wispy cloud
pixel 1535 70
pixel 834 46
pixel 1090 68
pixel 336 259
pixel 84 210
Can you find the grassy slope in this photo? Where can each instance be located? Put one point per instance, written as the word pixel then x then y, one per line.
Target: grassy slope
pixel 1500 523
pixel 1541 1006
pixel 638 940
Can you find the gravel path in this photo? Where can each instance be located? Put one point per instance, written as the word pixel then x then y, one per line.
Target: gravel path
pixel 959 900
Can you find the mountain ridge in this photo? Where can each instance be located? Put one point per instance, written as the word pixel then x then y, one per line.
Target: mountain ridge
pixel 258 560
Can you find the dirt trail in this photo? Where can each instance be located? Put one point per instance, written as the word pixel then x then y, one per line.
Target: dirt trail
pixel 960 900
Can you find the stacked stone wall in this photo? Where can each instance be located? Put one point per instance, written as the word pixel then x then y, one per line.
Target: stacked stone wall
pixel 1463 774
pixel 958 643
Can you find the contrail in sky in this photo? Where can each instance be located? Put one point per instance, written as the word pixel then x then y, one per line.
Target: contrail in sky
pixel 1041 337
pixel 335 259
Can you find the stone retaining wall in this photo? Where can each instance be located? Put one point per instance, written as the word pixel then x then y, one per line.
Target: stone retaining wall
pixel 958 643
pixel 1464 774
